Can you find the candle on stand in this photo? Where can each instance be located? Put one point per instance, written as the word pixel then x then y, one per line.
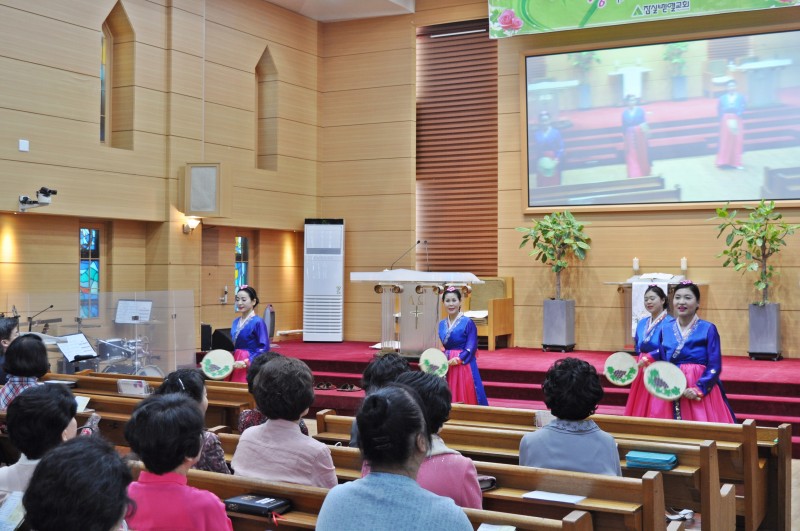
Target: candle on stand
pixel 635 264
pixel 684 265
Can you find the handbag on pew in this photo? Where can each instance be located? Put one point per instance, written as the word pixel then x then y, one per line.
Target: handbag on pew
pixel 257 504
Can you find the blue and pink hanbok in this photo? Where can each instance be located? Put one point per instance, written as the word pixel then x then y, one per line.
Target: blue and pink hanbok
pixel 250 339
pixel 461 340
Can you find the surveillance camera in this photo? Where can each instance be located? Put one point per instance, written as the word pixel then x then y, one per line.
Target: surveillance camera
pixel 24 199
pixel 47 192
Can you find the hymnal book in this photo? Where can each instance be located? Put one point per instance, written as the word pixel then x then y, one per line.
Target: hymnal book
pixel 650 460
pixel 487 482
pixel 257 504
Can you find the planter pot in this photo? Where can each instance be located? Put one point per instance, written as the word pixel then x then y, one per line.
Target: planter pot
pixel 559 325
pixel 680 91
pixel 765 331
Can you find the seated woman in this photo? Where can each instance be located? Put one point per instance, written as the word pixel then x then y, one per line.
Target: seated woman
pixel 191 382
pixel 381 370
pixel 26 362
pixel 254 417
pixel 166 432
pixel 9 331
pixel 394 441
pixel 277 450
pixel 444 472
pixel 571 441
pixel 39 419
pixel 80 485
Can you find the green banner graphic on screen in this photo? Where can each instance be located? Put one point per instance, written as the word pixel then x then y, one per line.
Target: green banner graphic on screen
pixel 519 17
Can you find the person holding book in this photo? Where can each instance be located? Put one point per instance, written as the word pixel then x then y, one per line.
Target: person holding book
pixel 166 432
pixel 571 441
pixel 394 441
pixel 277 450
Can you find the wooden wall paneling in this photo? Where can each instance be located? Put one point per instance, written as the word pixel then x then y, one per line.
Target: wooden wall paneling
pixel 430 12
pixel 231 47
pixel 362 320
pixel 227 126
pixel 125 278
pixel 508 135
pixel 192 6
pixel 27 277
pixel 374 69
pixel 369 141
pixel 187 74
pixel 273 210
pixel 185 117
pixel 187 32
pixel 298 103
pixel 22 88
pixel 126 243
pixel 370 105
pixel 214 278
pixel 230 87
pixel 234 158
pixel 297 175
pixel 48 42
pixel 263 19
pixel 84 13
pixel 508 94
pixel 279 284
pixel 355 37
pixel 376 250
pixel 368 177
pixel 148 21
pixel 296 139
pixel 371 213
pixel 151 68
pixel 294 66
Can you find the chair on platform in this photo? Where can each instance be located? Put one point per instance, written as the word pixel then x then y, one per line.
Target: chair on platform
pixel 496 297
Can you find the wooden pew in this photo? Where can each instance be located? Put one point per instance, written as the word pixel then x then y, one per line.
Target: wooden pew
pixel 307 501
pixel 760 463
pixel 694 483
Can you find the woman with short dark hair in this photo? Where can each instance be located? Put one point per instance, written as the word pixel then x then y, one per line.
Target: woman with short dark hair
pixel 394 441
pixel 9 331
pixel 192 383
pixel 25 362
pixel 81 485
pixel 445 471
pixel 277 450
pixel 249 333
pixel 571 441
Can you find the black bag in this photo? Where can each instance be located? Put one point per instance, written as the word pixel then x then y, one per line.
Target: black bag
pixel 257 504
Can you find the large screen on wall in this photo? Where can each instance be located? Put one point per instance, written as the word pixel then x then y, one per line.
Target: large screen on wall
pixel 699 121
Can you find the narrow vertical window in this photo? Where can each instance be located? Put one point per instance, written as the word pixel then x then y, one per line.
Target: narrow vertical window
pixel 103 83
pixel 242 259
pixel 89 275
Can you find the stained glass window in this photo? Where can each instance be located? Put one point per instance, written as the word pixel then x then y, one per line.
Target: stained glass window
pixel 89 279
pixel 103 79
pixel 242 259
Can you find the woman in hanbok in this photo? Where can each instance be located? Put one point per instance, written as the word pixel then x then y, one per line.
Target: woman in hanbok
pixel 635 131
pixel 459 337
pixel 547 150
pixel 731 128
pixel 249 333
pixel 694 346
pixel 646 341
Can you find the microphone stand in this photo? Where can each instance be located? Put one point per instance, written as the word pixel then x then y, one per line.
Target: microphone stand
pixel 427 257
pixel 402 255
pixel 30 319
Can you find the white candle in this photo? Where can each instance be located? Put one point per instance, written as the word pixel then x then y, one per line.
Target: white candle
pixel 635 264
pixel 684 265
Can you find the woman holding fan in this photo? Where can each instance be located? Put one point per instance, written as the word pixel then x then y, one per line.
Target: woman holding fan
pixel 646 341
pixel 459 337
pixel 694 346
pixel 249 333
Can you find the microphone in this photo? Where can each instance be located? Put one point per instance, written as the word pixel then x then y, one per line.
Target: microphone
pixel 82 357
pixel 30 319
pixel 405 253
pixel 427 257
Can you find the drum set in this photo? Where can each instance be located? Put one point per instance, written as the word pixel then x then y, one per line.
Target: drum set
pixel 128 356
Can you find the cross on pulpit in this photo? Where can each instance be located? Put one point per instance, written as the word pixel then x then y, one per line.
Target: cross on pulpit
pixel 416 313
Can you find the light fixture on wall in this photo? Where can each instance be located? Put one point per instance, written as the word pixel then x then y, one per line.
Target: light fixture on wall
pixel 190 225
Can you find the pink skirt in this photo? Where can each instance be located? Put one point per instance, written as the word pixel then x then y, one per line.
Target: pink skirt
pixel 239 375
pixel 638 404
pixel 459 378
pixel 710 408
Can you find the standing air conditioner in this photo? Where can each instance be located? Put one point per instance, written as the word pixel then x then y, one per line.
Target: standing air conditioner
pixel 323 280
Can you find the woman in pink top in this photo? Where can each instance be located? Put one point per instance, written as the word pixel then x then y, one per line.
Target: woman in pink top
pixel 444 472
pixel 166 431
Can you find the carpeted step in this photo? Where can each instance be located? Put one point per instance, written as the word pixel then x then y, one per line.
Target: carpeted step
pixel 336 378
pixel 614 396
pixel 532 404
pixel 772 421
pixel 765 405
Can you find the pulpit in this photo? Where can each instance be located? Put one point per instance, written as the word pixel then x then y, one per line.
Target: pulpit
pixel 416 293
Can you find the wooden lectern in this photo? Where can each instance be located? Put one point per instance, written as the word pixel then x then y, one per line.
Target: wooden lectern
pixel 418 295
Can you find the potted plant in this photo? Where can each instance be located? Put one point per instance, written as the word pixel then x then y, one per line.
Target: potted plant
pixel 554 239
pixel 583 62
pixel 750 244
pixel 673 54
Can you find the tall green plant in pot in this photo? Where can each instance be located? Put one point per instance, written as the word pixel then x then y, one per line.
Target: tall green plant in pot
pixel 554 240
pixel 750 243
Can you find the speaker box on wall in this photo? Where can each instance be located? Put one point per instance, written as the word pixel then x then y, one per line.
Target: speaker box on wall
pixel 203 192
pixel 205 337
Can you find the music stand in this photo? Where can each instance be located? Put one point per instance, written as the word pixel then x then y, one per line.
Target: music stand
pixel 76 348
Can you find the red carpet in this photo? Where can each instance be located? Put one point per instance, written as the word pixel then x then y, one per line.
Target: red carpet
pixel 766 391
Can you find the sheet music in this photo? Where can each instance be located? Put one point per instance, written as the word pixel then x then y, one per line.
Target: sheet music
pixel 76 345
pixel 11 512
pixel 133 311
